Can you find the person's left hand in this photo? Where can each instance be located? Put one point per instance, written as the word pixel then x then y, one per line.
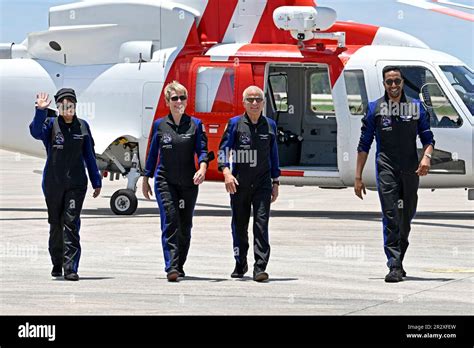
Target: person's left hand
pixel 96 192
pixel 275 189
pixel 199 176
pixel 424 166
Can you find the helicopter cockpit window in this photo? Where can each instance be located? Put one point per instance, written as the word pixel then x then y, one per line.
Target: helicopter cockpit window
pixel 442 113
pixel 462 80
pixel 356 92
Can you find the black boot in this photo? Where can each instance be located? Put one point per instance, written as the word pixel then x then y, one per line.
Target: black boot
pixel 394 276
pixel 57 271
pixel 239 270
pixel 71 276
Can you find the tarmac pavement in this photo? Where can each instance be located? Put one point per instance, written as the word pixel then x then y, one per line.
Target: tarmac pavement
pixel 326 258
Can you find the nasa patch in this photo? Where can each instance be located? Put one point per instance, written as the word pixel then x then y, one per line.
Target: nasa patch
pixel 167 138
pixel 59 139
pixel 386 122
pixel 244 139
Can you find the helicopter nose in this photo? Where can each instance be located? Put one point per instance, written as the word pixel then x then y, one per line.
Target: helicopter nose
pixel 21 80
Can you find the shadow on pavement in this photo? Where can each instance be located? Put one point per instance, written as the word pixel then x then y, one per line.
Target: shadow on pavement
pixel 330 214
pixel 83 278
pixel 270 280
pixel 429 279
pixel 214 280
pixel 419 279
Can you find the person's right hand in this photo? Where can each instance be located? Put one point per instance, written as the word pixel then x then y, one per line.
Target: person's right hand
pixel 42 101
pixel 96 192
pixel 230 183
pixel 359 188
pixel 146 189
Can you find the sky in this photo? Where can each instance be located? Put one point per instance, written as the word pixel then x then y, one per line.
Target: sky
pixel 440 31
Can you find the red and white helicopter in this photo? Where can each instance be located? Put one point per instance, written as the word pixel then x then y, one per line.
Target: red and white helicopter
pixel 318 75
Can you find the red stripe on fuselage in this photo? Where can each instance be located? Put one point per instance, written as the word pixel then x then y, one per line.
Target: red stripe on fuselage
pixel 216 20
pixel 454 13
pixel 298 173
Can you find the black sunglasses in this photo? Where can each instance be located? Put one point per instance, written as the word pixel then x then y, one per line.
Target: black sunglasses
pixel 389 82
pixel 251 100
pixel 181 97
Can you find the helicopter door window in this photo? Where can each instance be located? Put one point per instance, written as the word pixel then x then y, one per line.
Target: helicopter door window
pixel 215 88
pixel 321 102
pixel 356 92
pixel 279 88
pixel 420 80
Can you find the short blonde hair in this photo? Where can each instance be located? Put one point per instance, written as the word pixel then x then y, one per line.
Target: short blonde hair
pixel 176 87
pixel 252 88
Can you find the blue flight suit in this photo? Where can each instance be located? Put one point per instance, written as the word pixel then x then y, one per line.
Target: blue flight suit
pixel 254 152
pixel 70 149
pixel 395 128
pixel 171 161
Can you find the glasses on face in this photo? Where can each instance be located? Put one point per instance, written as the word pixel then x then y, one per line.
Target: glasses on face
pixel 252 100
pixel 181 97
pixel 390 82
